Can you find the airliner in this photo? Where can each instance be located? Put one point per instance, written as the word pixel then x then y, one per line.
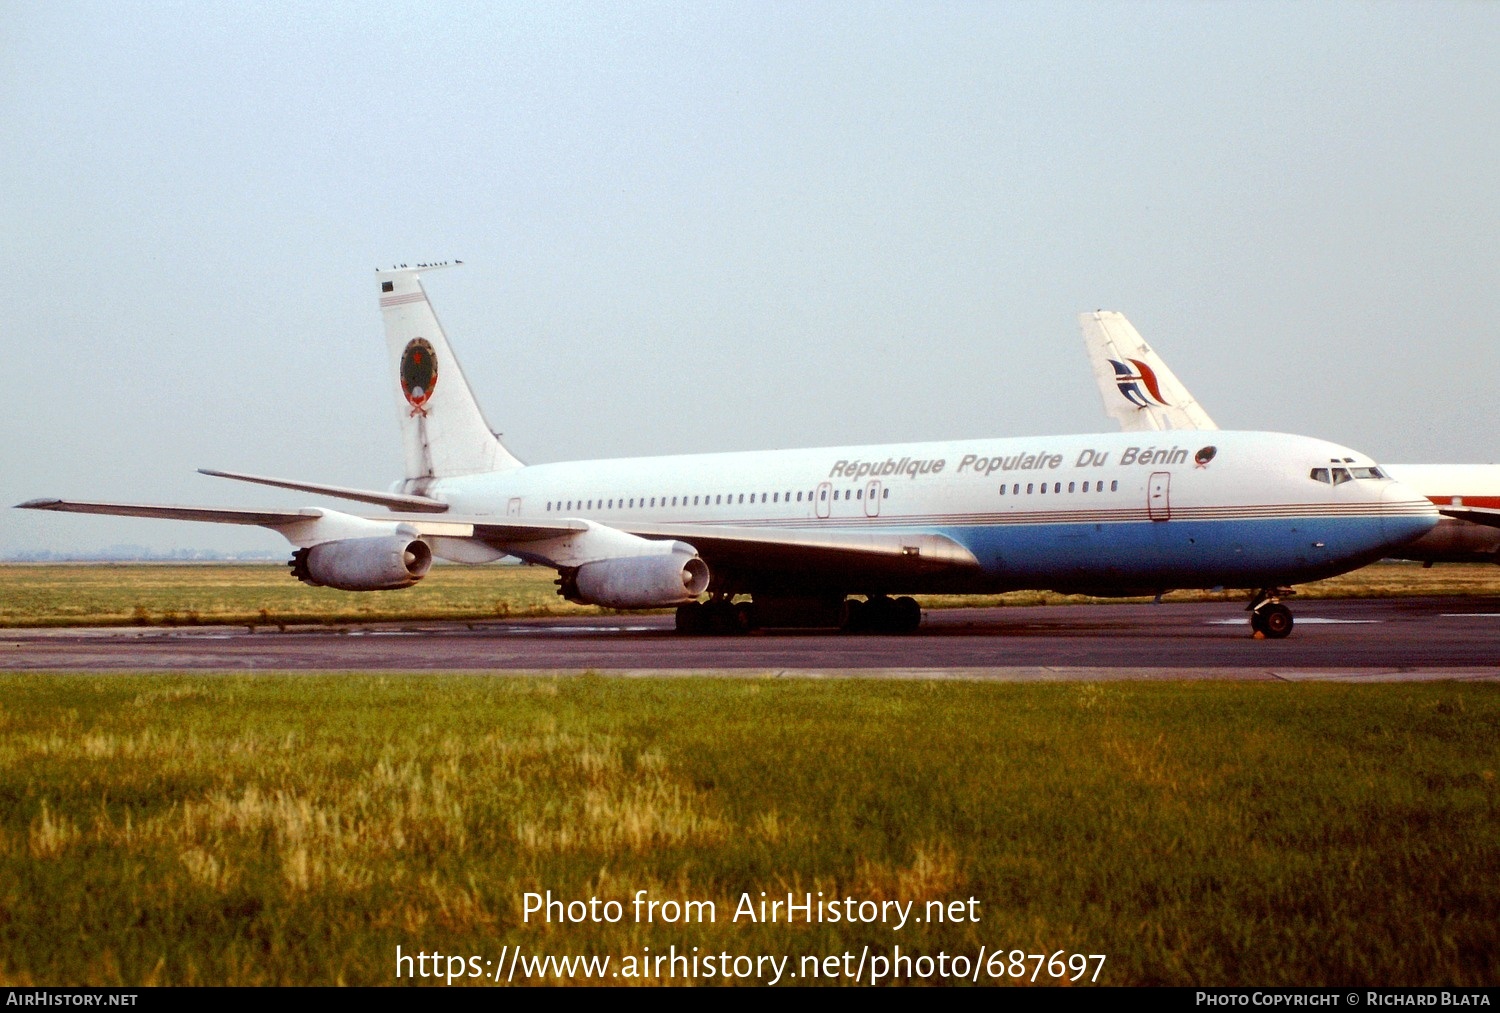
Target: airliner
pixel 829 537
pixel 1142 394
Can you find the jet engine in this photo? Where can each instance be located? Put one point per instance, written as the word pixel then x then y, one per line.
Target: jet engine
pixel 383 563
pixel 636 582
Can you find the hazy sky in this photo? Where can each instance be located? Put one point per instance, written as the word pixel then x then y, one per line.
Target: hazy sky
pixel 694 227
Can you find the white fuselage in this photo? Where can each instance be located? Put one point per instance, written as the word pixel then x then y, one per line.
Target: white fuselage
pixel 1111 513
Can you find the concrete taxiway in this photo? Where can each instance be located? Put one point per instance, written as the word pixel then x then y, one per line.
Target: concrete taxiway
pixel 1368 640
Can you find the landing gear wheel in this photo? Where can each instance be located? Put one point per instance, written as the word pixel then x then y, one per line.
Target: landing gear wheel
pixel 722 617
pixel 906 616
pixel 1275 621
pixel 880 614
pixel 1268 617
pixel 857 616
pixel 744 617
pixel 716 617
pixel 691 618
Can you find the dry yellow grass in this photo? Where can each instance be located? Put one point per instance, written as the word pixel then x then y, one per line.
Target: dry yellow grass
pixel 254 594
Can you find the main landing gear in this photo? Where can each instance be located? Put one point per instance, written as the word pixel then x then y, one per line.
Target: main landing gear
pixel 877 614
pixel 715 616
pixel 1268 617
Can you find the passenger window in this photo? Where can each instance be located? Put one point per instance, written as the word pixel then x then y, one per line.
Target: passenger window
pixel 885 493
pixel 825 494
pixel 1002 490
pixel 1044 488
pixel 1057 487
pixel 1114 486
pixel 1029 487
pixel 1070 486
pixel 859 494
pixel 799 497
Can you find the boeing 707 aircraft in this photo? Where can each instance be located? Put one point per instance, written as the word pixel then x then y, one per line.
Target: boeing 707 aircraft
pixel 1143 395
pixel 794 534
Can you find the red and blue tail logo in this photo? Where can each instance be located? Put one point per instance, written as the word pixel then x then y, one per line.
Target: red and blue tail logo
pixel 1132 375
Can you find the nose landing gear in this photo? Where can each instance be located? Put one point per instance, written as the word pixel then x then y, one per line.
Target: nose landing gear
pixel 1269 618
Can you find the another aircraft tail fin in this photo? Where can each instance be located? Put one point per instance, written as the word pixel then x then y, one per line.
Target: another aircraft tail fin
pixel 1138 389
pixel 443 432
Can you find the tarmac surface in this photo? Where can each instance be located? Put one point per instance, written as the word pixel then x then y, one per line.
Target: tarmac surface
pixel 1406 639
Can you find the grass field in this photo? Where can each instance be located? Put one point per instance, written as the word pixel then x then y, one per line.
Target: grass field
pixel 178 594
pixel 297 829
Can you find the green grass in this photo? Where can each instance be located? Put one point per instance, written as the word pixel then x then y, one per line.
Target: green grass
pixel 296 829
pixel 178 594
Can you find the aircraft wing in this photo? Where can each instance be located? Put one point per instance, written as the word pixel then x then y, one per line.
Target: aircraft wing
pixel 215 515
pixel 785 551
pixel 1139 391
pixel 1478 515
pixel 789 551
pixel 792 551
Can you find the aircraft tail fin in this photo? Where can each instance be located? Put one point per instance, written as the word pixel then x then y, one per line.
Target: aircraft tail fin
pixel 1138 389
pixel 443 431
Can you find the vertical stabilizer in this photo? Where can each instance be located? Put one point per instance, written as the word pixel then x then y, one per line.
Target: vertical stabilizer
pixel 1139 391
pixel 443 432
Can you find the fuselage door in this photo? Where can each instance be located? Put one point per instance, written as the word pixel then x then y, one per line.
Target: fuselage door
pixel 1159 496
pixel 872 499
pixel 823 503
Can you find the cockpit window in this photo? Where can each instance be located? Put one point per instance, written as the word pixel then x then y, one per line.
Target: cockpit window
pixel 1338 476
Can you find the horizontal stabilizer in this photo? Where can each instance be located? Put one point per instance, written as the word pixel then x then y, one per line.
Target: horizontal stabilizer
pixel 393 500
pixel 484 526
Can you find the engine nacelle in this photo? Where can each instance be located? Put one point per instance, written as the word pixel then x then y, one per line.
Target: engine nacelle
pixel 637 582
pixel 383 563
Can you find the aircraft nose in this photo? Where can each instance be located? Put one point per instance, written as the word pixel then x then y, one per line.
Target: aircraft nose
pixel 1405 514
